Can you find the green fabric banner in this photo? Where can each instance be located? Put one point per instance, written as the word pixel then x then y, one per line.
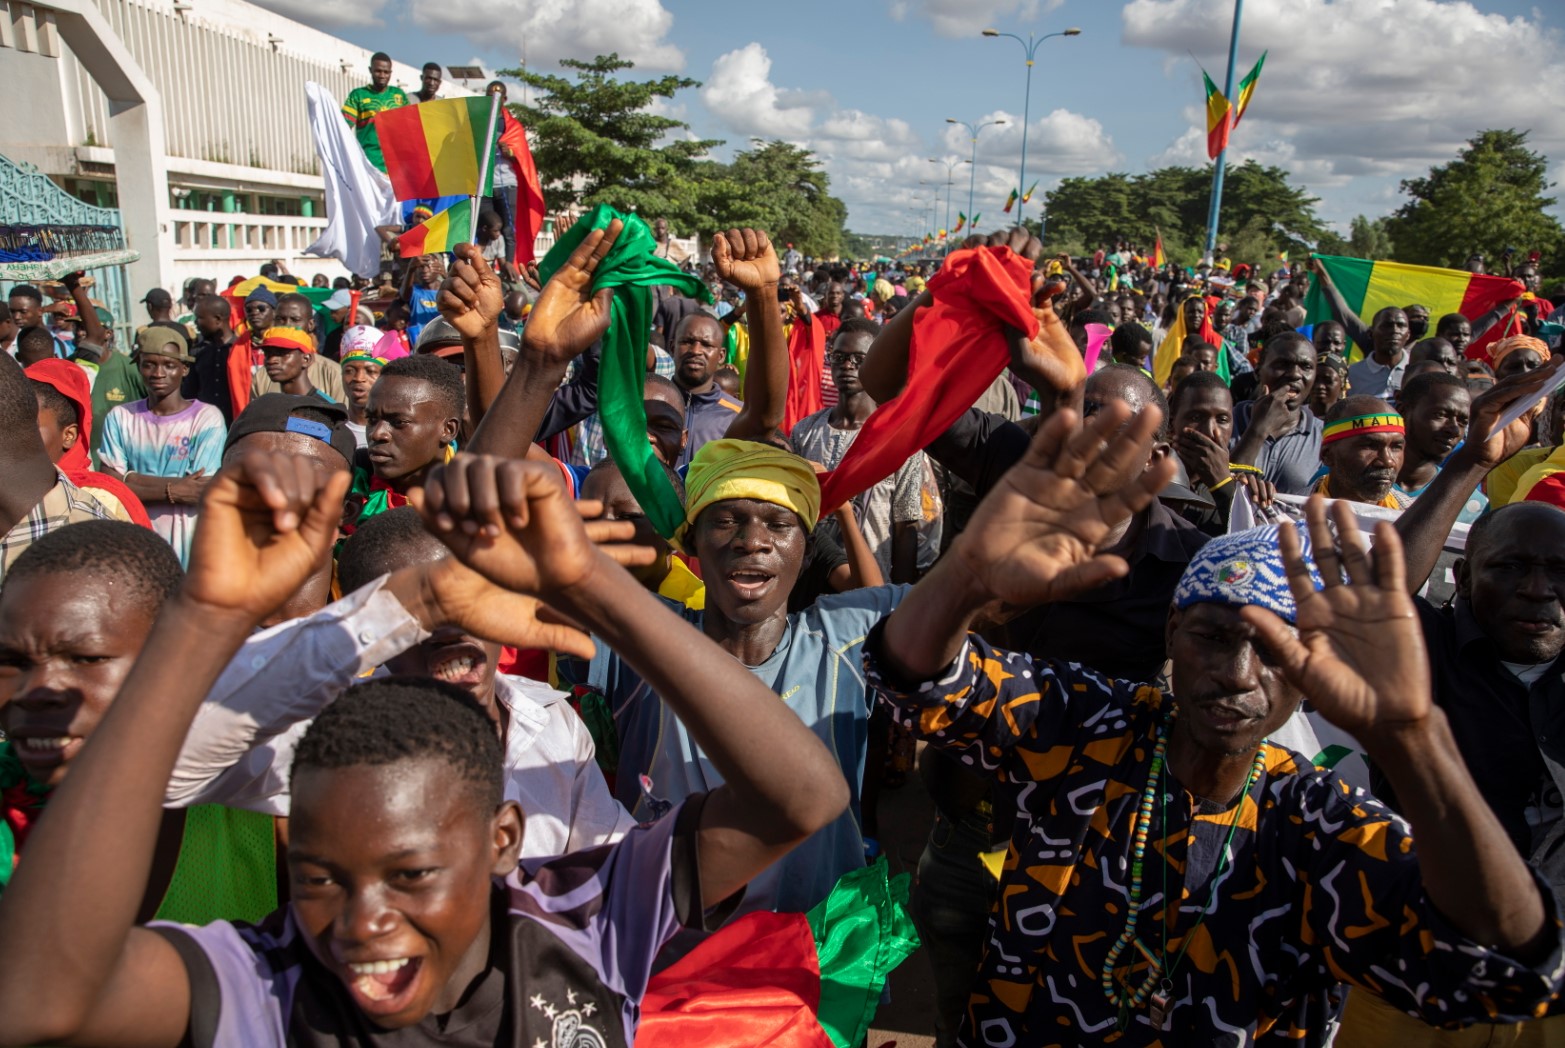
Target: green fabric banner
pixel 631 269
pixel 862 931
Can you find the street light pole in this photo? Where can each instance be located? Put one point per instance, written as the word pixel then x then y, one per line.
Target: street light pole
pixel 1215 204
pixel 1030 46
pixel 951 166
pixel 972 174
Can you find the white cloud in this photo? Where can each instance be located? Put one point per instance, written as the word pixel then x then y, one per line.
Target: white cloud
pixel 963 18
pixel 329 14
pixel 876 163
pixel 740 93
pixel 549 30
pixel 1356 89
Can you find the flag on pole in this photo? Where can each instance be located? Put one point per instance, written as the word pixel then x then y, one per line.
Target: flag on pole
pixel 437 148
pixel 1159 260
pixel 358 194
pixel 1027 196
pixel 1247 88
pixel 1367 287
pixel 975 221
pixel 440 232
pixel 1010 201
pixel 961 220
pixel 1217 123
pixel 529 191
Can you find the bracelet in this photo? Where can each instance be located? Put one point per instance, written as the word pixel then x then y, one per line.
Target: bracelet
pixel 168 493
pixel 1226 480
pixel 1241 467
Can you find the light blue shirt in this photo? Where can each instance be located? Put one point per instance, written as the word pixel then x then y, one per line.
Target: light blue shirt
pixel 818 670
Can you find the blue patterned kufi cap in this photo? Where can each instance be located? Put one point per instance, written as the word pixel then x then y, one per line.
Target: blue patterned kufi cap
pixel 1243 568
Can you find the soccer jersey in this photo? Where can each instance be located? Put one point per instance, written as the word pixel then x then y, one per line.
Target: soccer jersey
pixel 137 440
pixel 359 110
pixel 575 938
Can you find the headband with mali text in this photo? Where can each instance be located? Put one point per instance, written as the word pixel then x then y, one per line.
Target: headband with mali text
pixel 1359 425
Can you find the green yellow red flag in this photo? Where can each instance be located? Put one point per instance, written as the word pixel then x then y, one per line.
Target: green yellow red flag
pixel 1247 88
pixel 1217 122
pixel 440 232
pixel 437 148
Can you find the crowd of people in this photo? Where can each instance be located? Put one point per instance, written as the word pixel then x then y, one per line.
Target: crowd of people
pixel 586 607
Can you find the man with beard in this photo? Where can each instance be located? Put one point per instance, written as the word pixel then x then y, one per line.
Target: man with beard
pixel 1362 447
pixel 165 448
pixel 1276 434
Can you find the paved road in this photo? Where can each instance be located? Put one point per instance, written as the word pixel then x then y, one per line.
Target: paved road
pixel 908 1020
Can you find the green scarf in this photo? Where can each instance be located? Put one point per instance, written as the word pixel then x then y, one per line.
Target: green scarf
pixel 862 931
pixel 631 269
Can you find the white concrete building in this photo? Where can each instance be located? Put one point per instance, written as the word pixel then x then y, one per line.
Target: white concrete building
pixel 216 89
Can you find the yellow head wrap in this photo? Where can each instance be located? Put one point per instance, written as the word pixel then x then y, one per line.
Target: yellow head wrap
pixel 1506 346
pixel 742 469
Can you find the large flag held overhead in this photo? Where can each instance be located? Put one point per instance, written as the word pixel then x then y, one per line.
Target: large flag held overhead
pixel 358 194
pixel 1217 122
pixel 437 148
pixel 1368 286
pixel 439 232
pixel 1247 88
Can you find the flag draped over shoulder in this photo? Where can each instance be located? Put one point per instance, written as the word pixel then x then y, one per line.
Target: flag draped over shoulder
pixel 1369 286
pixel 1174 341
pixel 1217 122
pixel 958 348
pixel 1247 88
pixel 631 269
pixel 358 194
pixel 437 148
pixel 439 232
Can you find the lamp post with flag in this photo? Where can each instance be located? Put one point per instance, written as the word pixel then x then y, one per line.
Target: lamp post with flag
pixel 972 131
pixel 1216 202
pixel 1030 46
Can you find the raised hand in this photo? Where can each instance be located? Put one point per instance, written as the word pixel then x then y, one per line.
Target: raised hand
pixel 471 297
pixel 1035 537
pixel 267 522
pixel 569 316
pixel 746 258
pixel 1051 360
pixel 1483 446
pixel 1359 652
pixel 460 596
pixel 510 520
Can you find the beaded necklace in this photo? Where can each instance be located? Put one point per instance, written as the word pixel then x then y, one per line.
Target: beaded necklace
pixel 1158 976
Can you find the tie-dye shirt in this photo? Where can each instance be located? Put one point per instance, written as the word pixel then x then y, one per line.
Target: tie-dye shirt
pixel 1320 887
pixel 137 440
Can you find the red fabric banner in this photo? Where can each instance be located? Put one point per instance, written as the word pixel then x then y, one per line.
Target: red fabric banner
pixel 755 984
pixel 958 348
pixel 529 191
pixel 806 360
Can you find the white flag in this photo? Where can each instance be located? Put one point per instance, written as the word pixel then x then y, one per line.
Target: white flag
pixel 358 196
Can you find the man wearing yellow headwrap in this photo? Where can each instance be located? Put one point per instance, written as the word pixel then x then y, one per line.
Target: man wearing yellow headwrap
pixel 749 511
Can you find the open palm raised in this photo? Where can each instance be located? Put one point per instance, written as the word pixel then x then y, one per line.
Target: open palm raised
pixel 1035 537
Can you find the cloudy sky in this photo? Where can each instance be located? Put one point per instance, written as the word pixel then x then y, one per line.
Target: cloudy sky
pixel 1356 94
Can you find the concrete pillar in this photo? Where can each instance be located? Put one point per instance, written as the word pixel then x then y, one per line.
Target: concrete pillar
pixel 136 128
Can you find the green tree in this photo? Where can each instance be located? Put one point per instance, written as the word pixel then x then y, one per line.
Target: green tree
pixel 1369 238
pixel 1489 198
pixel 594 140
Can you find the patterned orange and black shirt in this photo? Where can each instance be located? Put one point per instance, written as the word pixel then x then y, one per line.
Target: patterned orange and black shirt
pixel 1319 887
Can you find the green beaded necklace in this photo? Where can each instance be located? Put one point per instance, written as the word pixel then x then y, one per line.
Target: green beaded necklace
pixel 1158 976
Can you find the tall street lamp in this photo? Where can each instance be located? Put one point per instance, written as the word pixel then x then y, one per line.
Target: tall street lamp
pixel 951 166
pixel 972 175
pixel 1030 46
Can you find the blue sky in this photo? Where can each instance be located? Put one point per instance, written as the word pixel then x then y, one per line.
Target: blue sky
pixel 1356 94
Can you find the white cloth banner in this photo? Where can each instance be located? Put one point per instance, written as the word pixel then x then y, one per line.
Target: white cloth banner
pixel 358 195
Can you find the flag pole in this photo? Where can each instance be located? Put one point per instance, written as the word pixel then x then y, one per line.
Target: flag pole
pixel 1222 157
pixel 488 159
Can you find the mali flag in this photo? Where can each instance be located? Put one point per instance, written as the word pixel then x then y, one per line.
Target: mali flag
pixel 437 148
pixel 1367 287
pixel 1027 196
pixel 1247 88
pixel 439 232
pixel 961 220
pixel 1010 202
pixel 1159 260
pixel 1217 123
